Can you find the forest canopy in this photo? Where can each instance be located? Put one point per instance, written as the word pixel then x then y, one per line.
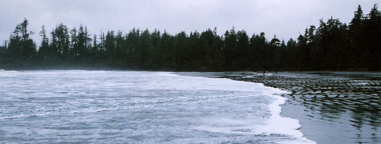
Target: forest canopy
pixel 332 45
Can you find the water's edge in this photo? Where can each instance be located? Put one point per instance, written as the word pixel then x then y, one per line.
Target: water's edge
pixel 332 107
pixel 279 108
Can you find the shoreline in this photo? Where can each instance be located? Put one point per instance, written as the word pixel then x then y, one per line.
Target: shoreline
pixel 104 68
pixel 332 107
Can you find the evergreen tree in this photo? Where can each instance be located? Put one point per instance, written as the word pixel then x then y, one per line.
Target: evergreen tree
pixel 372 42
pixel 241 60
pixel 45 52
pixel 21 52
pixel 82 47
pixel 230 50
pixel 60 43
pixel 143 49
pixel 3 50
pixel 110 48
pixel 94 52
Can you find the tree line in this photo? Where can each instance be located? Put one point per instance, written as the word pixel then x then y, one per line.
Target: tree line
pixel 332 45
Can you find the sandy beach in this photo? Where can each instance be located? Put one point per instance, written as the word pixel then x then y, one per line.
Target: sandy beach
pixel 332 107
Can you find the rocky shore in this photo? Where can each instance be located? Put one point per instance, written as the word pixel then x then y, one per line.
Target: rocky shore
pixel 333 107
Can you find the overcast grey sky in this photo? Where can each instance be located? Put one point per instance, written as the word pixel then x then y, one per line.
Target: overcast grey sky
pixel 285 18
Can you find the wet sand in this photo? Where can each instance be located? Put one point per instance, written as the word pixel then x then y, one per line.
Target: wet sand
pixel 332 107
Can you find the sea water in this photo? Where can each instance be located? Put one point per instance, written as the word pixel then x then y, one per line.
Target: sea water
pixel 139 107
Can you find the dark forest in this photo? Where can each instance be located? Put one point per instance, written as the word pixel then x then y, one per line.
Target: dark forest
pixel 332 45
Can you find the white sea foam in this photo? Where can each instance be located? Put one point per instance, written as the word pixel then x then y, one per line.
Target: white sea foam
pixel 146 107
pixel 4 73
pixel 274 125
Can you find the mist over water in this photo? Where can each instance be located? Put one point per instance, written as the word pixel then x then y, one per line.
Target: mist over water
pixel 139 107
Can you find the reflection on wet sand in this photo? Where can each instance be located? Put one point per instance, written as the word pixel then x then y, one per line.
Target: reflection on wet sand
pixel 337 97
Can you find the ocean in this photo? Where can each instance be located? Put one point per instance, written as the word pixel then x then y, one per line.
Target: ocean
pixel 75 106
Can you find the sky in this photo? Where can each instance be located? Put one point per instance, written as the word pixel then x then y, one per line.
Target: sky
pixel 283 18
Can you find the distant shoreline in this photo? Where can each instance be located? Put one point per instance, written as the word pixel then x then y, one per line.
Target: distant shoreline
pixel 171 70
